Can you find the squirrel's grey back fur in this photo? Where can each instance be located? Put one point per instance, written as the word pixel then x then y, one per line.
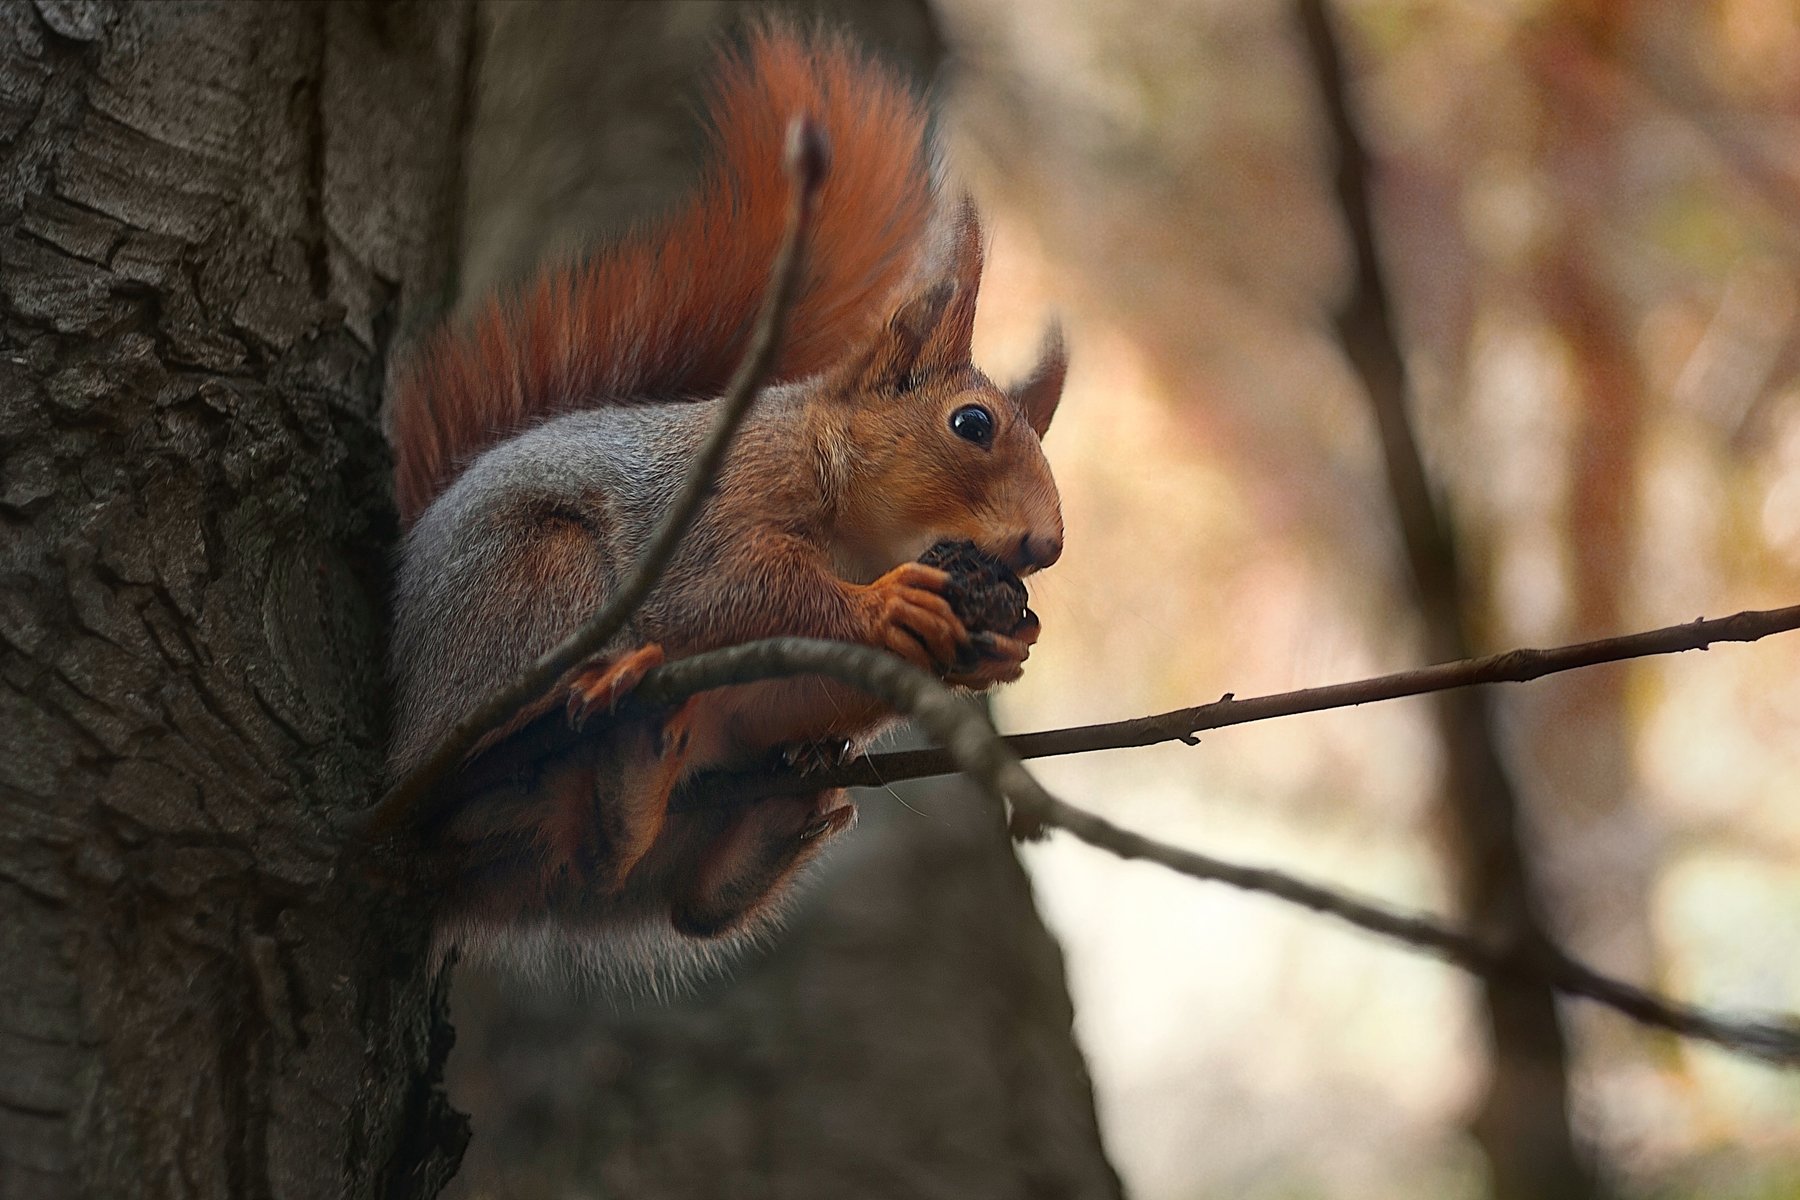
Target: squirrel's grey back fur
pixel 469 616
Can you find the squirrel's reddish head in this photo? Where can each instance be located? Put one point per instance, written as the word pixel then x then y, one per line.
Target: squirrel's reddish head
pixel 927 449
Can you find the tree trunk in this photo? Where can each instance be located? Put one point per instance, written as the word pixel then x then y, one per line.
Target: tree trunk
pixel 1606 845
pixel 908 1034
pixel 213 219
pixel 1522 1122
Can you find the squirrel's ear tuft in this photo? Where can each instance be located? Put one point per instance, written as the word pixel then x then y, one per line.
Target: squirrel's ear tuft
pixel 1038 393
pixel 898 350
pixel 950 341
pixel 934 328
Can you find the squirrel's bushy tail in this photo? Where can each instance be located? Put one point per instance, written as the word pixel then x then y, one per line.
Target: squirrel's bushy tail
pixel 665 314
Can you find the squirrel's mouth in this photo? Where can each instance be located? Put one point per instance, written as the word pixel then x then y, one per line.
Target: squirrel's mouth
pixel 1023 553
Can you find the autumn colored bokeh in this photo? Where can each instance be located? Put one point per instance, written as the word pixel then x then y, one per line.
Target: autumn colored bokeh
pixel 1590 215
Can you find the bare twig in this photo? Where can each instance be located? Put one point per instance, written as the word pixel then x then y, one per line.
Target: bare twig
pixel 1774 1040
pixel 1514 666
pixel 806 160
pixel 968 737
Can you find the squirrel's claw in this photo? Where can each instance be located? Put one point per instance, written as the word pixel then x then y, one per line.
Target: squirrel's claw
pixel 822 754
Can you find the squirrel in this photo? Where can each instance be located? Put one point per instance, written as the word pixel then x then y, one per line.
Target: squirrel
pixel 537 450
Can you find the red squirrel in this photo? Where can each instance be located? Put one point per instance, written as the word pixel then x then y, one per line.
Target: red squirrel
pixel 538 449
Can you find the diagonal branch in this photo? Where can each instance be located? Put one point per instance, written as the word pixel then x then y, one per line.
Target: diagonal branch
pixel 1514 666
pixel 806 162
pixel 1775 1040
pixel 970 740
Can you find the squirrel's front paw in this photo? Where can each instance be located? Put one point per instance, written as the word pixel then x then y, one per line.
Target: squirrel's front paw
pixel 908 615
pixel 1002 660
pixel 999 657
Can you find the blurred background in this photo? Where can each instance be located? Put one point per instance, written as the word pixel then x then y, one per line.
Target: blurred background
pixel 1589 222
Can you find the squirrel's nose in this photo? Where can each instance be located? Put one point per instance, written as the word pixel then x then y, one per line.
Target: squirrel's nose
pixel 1036 551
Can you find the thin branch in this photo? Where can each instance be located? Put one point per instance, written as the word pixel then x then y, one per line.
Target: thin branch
pixel 968 737
pixel 1514 666
pixel 805 162
pixel 1775 1040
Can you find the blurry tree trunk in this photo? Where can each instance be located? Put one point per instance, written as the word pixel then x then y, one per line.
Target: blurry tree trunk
pixel 213 217
pixel 1523 1122
pixel 909 1033
pixel 906 1035
pixel 1578 732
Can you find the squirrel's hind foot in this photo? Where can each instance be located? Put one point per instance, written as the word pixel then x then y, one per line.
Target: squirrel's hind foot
pixel 748 863
pixel 598 686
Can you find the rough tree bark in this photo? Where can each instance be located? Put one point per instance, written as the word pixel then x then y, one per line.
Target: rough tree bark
pixel 909 1034
pixel 213 219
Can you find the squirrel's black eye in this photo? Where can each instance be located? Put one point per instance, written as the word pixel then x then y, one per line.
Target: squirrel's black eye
pixel 973 423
